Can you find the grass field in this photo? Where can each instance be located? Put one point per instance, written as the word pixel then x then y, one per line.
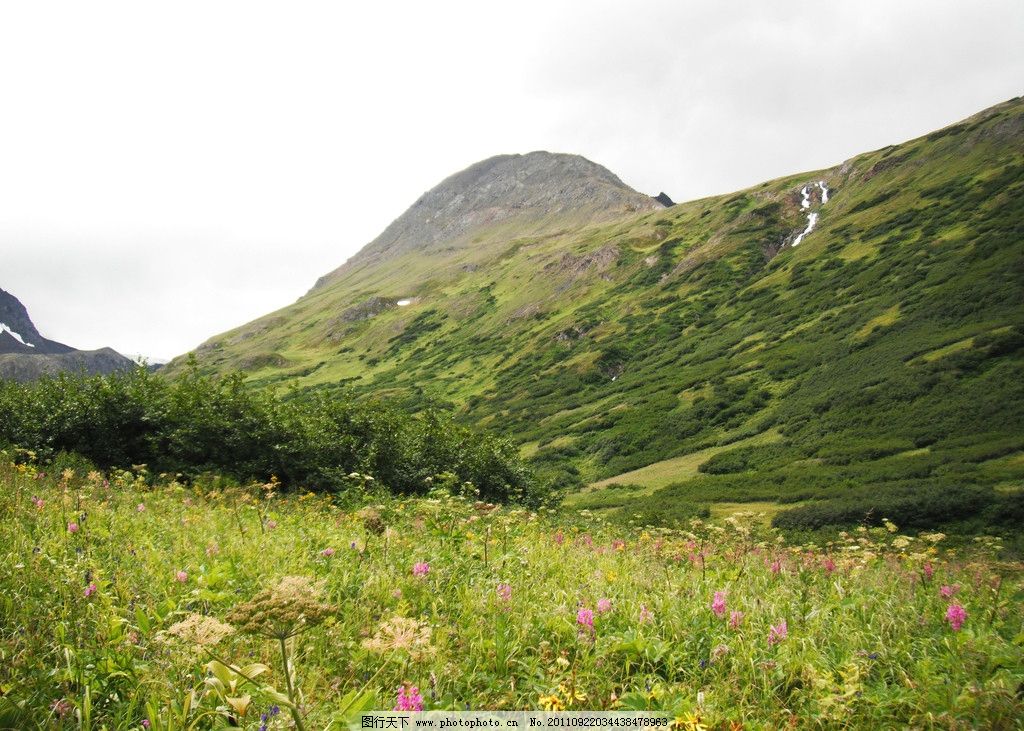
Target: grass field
pixel 672 470
pixel 129 605
pixel 762 512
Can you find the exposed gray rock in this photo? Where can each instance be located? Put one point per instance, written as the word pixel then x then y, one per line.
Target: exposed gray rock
pixel 365 310
pixel 531 189
pixel 28 367
pixel 26 355
pixel 18 333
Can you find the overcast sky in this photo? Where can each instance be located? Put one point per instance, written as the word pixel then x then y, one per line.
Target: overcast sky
pixel 171 170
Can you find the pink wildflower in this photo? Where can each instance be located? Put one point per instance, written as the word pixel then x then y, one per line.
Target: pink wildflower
pixel 141 508
pixel 718 605
pixel 829 565
pixel 271 524
pixel 90 590
pixel 327 552
pixel 559 538
pixel 504 592
pixel 604 605
pixel 776 566
pixel 72 527
pixel 420 569
pixel 956 615
pixel 645 614
pixel 777 632
pixel 947 591
pixel 38 502
pixel 929 571
pixel 619 544
pixel 585 618
pixel 181 577
pixel 409 698
pixel 397 593
pixel 61 707
pixel 735 619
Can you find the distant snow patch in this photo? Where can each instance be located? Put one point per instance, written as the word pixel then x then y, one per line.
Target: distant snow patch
pixel 403 303
pixel 16 336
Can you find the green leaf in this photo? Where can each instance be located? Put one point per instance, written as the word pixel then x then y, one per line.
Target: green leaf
pixel 254 670
pixel 142 620
pixel 221 671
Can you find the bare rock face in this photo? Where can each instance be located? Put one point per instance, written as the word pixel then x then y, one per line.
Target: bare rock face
pixel 18 334
pixel 26 355
pixel 21 367
pixel 536 189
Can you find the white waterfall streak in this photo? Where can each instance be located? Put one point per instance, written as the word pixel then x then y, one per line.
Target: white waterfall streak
pixel 812 216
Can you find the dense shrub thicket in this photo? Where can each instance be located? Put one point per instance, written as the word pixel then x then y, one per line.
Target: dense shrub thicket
pixel 916 507
pixel 196 424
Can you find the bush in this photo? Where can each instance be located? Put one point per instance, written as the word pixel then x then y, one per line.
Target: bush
pixel 922 508
pixel 196 424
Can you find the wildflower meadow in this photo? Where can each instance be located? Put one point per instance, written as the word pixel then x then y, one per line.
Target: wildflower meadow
pixel 132 601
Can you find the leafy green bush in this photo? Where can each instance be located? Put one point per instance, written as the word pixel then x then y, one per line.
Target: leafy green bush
pixel 743 459
pixel 196 424
pixel 920 508
pixel 669 513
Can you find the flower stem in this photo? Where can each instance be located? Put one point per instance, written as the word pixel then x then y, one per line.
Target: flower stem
pixel 288 681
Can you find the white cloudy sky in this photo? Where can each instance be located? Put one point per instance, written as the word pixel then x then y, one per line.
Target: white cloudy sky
pixel 172 170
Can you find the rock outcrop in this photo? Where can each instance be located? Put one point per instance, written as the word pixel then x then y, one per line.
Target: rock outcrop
pixel 26 355
pixel 537 192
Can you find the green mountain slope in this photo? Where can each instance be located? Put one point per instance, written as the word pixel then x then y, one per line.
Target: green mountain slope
pixel 883 353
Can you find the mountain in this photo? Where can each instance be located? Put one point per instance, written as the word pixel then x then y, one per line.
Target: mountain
pixel 852 327
pixel 26 355
pixel 504 196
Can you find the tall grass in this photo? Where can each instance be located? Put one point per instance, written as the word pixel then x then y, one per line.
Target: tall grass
pixel 128 616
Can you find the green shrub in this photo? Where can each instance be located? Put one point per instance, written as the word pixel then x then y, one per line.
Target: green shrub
pixel 196 424
pixel 919 508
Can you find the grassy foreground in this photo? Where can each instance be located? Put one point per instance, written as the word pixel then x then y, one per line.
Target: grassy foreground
pixel 129 606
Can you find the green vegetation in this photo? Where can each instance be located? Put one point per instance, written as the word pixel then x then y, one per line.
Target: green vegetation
pixel 127 603
pixel 195 548
pixel 620 352
pixel 196 424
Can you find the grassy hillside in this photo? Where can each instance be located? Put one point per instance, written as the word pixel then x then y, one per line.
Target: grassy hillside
pixel 885 351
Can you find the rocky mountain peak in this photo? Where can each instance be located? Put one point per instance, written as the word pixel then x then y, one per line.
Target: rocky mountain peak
pixel 26 355
pixel 18 334
pixel 537 191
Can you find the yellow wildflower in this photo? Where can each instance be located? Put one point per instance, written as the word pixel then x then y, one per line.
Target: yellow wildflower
pixel 551 703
